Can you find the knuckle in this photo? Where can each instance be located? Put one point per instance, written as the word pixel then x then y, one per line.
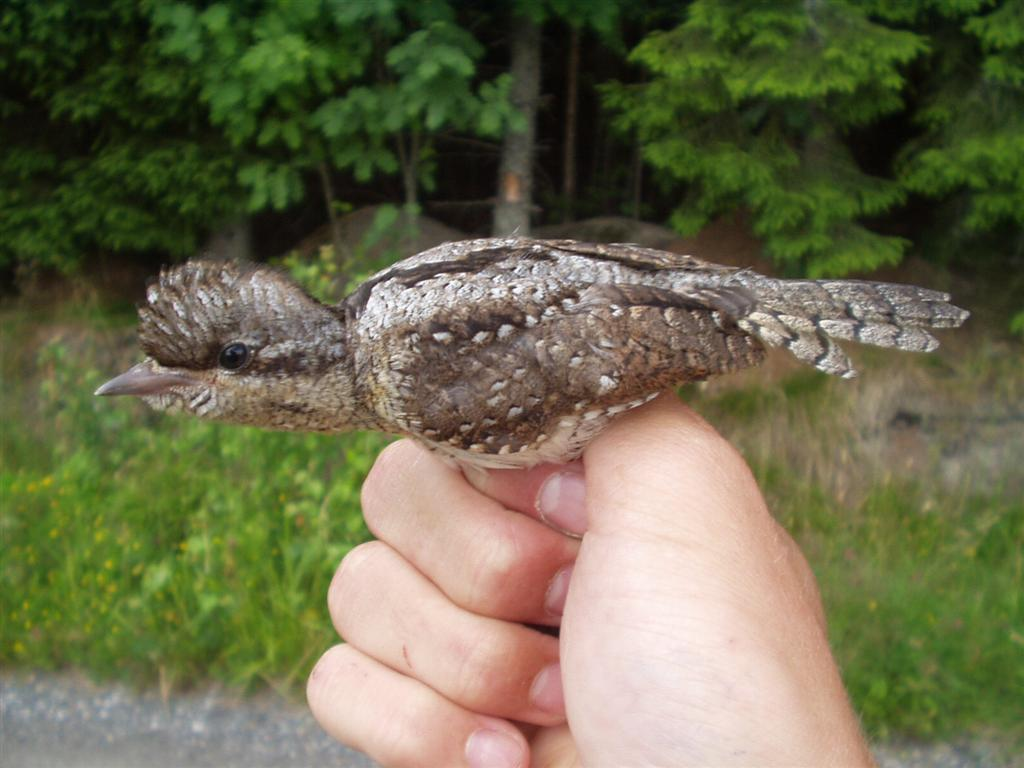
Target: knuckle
pixel 702 437
pixel 378 494
pixel 399 742
pixel 715 457
pixel 351 580
pixel 493 576
pixel 486 673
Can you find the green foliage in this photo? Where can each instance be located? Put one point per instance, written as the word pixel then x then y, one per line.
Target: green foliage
pixel 329 277
pixel 924 601
pixel 302 85
pixel 1017 324
pixel 600 15
pixel 138 546
pixel 972 148
pixel 748 105
pixel 759 106
pixel 927 611
pixel 141 126
pixel 922 580
pixel 317 275
pixel 104 147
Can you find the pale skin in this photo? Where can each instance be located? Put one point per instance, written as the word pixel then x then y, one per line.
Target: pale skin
pixel 691 628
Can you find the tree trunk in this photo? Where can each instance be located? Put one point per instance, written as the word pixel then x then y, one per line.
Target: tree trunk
pixel 571 111
pixel 515 180
pixel 409 159
pixel 341 253
pixel 232 240
pixel 638 177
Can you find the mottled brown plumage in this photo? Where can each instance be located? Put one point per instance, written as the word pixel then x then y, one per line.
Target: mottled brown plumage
pixel 497 352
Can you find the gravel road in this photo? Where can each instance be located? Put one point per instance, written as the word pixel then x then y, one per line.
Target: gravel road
pixel 59 720
pixel 49 720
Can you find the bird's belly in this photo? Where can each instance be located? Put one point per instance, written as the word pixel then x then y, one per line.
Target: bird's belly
pixel 563 441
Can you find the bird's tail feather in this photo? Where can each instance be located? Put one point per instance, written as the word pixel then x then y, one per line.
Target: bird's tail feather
pixel 806 316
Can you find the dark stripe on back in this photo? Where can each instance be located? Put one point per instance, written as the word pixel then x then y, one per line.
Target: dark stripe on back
pixel 641 259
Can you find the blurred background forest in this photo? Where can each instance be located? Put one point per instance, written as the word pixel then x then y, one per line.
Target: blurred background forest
pixel 824 138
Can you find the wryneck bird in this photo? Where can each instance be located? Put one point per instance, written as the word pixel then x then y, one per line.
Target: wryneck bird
pixel 501 352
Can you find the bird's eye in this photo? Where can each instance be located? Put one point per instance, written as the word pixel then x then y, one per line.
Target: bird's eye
pixel 234 356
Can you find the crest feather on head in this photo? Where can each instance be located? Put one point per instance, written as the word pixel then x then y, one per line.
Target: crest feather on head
pixel 194 309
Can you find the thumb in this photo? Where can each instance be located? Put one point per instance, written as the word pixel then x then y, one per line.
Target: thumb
pixel 551 493
pixel 662 471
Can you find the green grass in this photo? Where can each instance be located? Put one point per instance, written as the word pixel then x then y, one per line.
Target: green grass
pixel 925 601
pixel 922 576
pixel 144 547
pixel 164 549
pixel 926 607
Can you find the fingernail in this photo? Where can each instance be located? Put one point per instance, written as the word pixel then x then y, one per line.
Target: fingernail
pixel 546 691
pixel 560 502
pixel 554 598
pixel 493 749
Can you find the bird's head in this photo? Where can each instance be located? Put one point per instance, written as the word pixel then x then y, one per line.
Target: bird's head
pixel 241 343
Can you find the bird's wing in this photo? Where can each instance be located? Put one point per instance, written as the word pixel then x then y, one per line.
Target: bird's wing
pixel 499 374
pixel 518 254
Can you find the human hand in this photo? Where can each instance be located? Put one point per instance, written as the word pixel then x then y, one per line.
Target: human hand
pixel 692 632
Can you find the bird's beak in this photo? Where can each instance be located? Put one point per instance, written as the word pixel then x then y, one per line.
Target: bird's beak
pixel 143 380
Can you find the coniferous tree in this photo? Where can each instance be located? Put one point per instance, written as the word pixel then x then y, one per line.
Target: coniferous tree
pixel 748 105
pixel 971 151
